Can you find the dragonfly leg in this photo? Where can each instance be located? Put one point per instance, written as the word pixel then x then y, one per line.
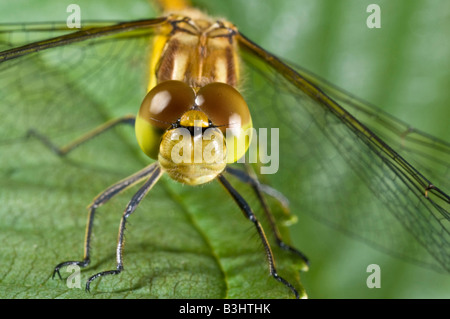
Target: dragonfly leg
pixel 243 205
pixel 250 178
pixel 101 199
pixel 62 151
pixel 131 207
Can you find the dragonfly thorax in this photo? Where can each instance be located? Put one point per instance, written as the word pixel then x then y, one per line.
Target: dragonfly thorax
pixel 197 51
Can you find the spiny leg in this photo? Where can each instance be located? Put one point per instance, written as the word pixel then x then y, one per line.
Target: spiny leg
pixel 64 150
pixel 131 207
pixel 245 177
pixel 249 178
pixel 101 199
pixel 243 205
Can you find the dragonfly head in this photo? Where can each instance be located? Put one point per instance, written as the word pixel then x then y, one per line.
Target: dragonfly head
pixel 194 133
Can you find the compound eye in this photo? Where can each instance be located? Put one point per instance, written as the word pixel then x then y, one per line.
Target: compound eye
pixel 224 106
pixel 162 107
pixel 227 109
pixel 166 102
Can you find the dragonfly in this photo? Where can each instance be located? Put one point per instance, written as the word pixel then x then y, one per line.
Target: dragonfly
pixel 344 132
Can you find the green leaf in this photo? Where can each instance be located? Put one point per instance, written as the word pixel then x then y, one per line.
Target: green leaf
pixel 182 242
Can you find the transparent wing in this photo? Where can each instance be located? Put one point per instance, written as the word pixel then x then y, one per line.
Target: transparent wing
pixel 13 35
pixel 431 155
pixel 322 159
pixel 325 153
pixel 69 74
pixel 63 92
